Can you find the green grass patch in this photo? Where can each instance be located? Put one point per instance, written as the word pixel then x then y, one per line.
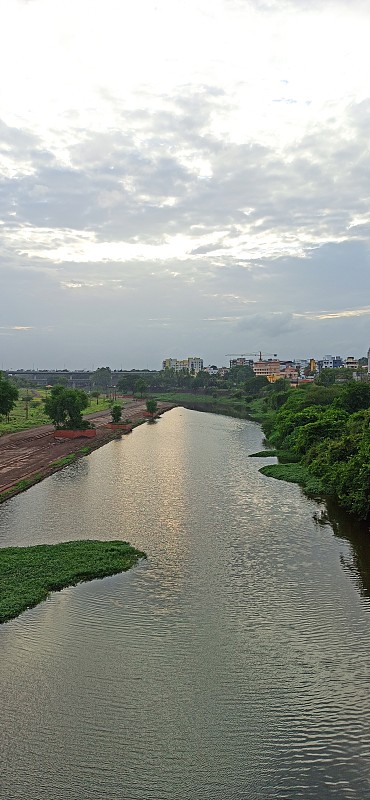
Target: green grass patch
pixel 29 574
pixel 294 473
pixel 264 454
pixel 19 421
pixel 287 457
pixel 64 461
pixel 25 483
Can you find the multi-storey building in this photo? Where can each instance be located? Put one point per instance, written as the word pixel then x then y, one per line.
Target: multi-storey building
pixel 330 362
pixel 351 363
pixel 169 363
pixel 241 361
pixel 289 372
pixel 194 364
pixel 270 369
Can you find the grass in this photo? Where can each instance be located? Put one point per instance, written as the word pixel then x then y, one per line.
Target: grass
pixel 64 461
pixel 25 483
pixel 264 454
pixel 36 415
pixel 206 402
pixel 295 473
pixel 29 574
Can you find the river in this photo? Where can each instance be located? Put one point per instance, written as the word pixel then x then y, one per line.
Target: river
pixel 232 664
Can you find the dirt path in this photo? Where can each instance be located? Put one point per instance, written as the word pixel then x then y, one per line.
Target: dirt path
pixel 35 450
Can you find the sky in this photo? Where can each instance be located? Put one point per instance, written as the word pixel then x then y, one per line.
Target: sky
pixel 183 179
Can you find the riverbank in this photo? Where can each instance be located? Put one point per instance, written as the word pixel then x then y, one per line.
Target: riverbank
pixel 29 574
pixel 30 456
pixel 229 406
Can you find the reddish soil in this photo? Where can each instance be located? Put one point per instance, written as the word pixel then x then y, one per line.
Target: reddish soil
pixel 34 450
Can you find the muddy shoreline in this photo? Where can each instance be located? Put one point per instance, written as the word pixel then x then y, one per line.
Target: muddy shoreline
pixel 29 456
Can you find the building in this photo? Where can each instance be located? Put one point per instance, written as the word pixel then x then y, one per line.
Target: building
pixel 241 361
pixel 169 363
pixel 193 364
pixel 290 373
pixel 270 369
pixel 301 364
pixel 351 363
pixel 330 362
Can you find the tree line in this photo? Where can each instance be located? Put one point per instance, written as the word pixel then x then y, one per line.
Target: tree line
pixel 327 429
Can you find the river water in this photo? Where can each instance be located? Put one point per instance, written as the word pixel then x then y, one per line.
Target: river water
pixel 233 664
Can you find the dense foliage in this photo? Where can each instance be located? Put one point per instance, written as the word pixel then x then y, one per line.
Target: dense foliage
pixel 151 406
pixel 327 428
pixel 65 406
pixel 116 413
pixel 8 396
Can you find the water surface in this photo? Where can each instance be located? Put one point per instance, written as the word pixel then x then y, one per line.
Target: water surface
pixel 233 663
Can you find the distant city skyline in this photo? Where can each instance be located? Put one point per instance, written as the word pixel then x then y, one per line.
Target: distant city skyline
pixel 183 177
pixel 206 362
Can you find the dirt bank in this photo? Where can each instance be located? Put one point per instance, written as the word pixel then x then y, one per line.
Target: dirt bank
pixel 31 455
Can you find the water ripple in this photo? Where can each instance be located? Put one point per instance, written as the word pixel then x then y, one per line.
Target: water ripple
pixel 233 664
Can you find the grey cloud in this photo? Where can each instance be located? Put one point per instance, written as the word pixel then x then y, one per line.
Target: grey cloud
pixel 270 324
pixel 115 189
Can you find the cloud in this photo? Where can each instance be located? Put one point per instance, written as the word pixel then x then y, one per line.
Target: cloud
pixel 207 188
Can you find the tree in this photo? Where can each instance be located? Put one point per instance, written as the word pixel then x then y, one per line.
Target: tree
pixel 102 378
pixel 116 413
pixel 8 396
pixel 329 376
pixel 65 406
pixel 123 385
pixel 140 387
pixel 151 406
pixel 240 374
pixel 26 398
pixel 255 385
pixel 97 395
pixel 354 396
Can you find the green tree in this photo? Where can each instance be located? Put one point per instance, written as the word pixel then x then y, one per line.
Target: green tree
pixel 255 385
pixel 329 376
pixel 123 385
pixel 97 395
pixel 141 386
pixel 8 396
pixel 151 406
pixel 116 413
pixel 26 397
pixel 240 374
pixel 102 378
pixel 64 407
pixel 354 396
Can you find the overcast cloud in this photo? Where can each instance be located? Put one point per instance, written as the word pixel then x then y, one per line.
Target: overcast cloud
pixel 183 179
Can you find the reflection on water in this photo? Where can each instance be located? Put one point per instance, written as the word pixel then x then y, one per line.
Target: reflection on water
pixel 232 664
pixel 357 561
